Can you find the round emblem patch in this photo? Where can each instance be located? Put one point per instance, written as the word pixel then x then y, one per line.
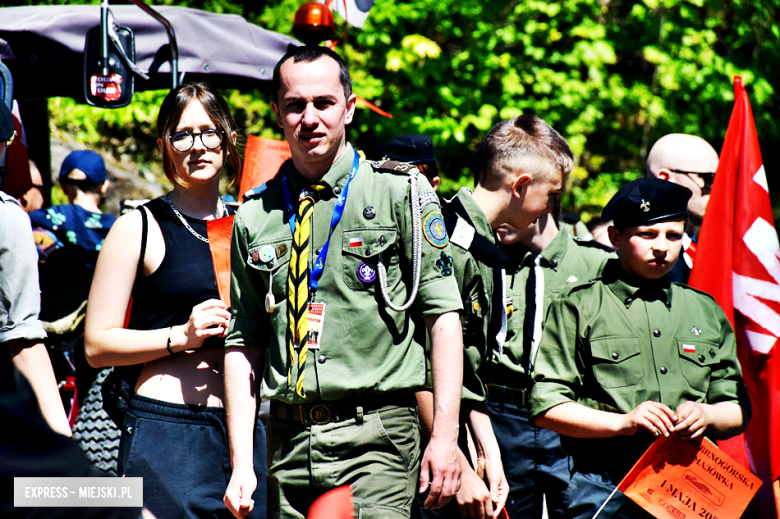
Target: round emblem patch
pixel 434 230
pixel 267 253
pixel 366 273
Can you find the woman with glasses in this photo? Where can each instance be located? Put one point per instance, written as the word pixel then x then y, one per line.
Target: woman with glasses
pixel 174 433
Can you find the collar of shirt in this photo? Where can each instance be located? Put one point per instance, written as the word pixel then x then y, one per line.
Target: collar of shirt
pixel 477 215
pixel 336 177
pixel 628 291
pixel 552 255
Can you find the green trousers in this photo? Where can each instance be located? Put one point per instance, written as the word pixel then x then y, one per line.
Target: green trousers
pixel 376 454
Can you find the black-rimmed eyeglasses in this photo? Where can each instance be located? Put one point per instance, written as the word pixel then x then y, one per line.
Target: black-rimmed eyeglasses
pixel 184 141
pixel 707 178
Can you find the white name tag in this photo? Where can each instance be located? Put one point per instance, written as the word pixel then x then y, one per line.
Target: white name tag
pixel 463 234
pixel 315 324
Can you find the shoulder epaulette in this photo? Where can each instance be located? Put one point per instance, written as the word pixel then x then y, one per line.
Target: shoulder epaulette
pixel 255 193
pixel 574 287
pixel 582 242
pixel 391 166
pixel 683 285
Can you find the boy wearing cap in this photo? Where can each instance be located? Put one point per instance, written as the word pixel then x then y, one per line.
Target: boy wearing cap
pixel 631 356
pixel 80 223
pixel 412 149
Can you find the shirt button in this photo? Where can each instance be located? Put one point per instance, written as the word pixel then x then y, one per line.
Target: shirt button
pixel 615 355
pixel 337 190
pixel 368 251
pixel 627 300
pixel 317 251
pixel 554 264
pixel 321 359
pixel 702 358
pixel 656 333
pixel 663 370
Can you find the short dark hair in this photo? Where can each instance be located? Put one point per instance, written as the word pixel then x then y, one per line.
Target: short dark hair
pixel 308 54
pixel 216 107
pixel 525 143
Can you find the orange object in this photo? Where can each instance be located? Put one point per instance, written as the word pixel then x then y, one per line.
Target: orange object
pixel 220 233
pixel 503 514
pixel 689 478
pixel 314 23
pixel 262 160
pixel 333 504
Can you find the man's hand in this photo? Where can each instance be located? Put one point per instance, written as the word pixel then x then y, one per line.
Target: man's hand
pixel 441 469
pixel 238 496
pixel 656 417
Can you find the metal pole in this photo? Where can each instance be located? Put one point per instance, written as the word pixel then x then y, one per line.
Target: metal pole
pixel 104 36
pixel 171 39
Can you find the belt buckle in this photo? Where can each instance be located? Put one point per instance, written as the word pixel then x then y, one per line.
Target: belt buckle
pixel 318 414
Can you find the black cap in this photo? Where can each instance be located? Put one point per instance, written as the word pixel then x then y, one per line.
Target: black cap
pixel 412 149
pixel 6 123
pixel 646 200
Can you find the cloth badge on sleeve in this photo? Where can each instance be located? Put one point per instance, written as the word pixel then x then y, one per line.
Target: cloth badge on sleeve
pixel 689 348
pixel 428 197
pixel 356 242
pixel 434 230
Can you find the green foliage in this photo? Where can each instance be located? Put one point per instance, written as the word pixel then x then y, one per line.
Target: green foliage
pixel 612 76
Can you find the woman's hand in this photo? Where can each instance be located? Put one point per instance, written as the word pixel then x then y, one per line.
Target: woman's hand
pixel 207 319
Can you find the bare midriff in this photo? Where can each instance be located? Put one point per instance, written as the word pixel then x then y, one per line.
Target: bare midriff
pixel 190 377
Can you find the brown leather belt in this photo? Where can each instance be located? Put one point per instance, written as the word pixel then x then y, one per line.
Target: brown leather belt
pixel 510 395
pixel 321 413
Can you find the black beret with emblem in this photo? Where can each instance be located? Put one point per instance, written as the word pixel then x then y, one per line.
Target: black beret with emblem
pixel 412 149
pixel 646 200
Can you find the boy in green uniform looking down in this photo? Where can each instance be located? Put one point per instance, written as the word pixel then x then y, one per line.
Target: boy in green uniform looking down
pixel 632 356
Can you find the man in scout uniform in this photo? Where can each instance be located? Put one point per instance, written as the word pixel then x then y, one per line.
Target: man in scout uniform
pixel 325 263
pixel 547 261
pixel 631 356
pixel 691 162
pixel 524 165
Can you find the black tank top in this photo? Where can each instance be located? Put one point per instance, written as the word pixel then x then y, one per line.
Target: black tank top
pixel 184 279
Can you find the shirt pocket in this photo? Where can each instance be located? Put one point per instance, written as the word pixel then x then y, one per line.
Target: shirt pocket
pixel 360 249
pixel 273 272
pixel 697 360
pixel 616 361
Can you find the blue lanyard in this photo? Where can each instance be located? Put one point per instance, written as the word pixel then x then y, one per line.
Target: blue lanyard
pixel 338 211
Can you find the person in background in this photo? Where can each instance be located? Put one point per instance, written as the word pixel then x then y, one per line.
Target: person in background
pixel 21 332
pixel 416 150
pixel 80 223
pixel 174 432
pixel 691 162
pixel 631 356
pixel 547 260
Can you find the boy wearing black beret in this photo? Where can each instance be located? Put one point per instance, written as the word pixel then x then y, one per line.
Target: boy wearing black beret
pixel 631 356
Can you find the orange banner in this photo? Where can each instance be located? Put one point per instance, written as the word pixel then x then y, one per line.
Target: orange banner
pixel 679 479
pixel 220 232
pixel 262 160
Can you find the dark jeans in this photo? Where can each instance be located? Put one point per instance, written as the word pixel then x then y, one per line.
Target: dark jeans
pixel 534 464
pixel 588 491
pixel 182 453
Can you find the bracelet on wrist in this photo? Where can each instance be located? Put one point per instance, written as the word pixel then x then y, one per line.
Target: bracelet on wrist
pixel 168 344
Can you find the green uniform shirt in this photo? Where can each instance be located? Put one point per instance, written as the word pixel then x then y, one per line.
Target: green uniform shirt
pixel 366 348
pixel 475 281
pixel 610 345
pixel 565 261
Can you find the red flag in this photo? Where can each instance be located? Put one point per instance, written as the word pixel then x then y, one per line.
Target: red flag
pixel 333 504
pixel 738 263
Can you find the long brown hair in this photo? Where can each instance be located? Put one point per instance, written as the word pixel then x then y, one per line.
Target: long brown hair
pixel 216 107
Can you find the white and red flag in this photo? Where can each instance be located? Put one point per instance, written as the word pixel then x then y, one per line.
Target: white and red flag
pixel 738 263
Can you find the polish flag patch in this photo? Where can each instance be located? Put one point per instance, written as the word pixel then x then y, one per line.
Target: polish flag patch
pixel 356 242
pixel 689 348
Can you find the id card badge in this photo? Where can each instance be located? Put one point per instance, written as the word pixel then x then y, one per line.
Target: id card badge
pixel 316 323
